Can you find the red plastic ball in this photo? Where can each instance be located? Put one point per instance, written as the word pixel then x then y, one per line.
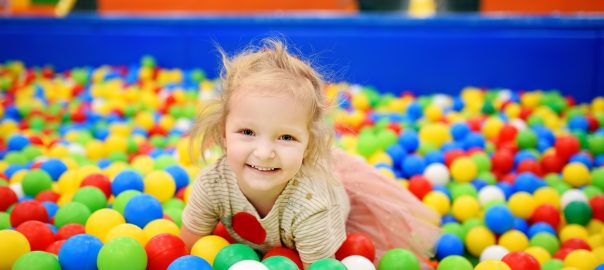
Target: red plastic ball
pixel 529 165
pixel 576 243
pixel 419 186
pixel 285 252
pixel 597 207
pixel 502 161
pixel 100 181
pixel 452 155
pixel 180 194
pixel 38 234
pixel 28 210
pixel 356 244
pixel 7 198
pixel 221 231
pixel 521 261
pixel 552 164
pixel 47 196
pixel 163 249
pixel 70 230
pixel 561 253
pixel 507 133
pixel 566 146
pixel 546 213
pixel 55 247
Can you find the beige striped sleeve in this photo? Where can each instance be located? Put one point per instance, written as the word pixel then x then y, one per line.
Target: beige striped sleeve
pixel 200 214
pixel 320 235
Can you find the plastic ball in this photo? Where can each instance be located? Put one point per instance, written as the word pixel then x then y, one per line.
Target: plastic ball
pixel 514 240
pixel 356 262
pixel 547 195
pixel 553 264
pixel 578 212
pixel 597 207
pixel 163 249
pixel 477 239
pixel 283 263
pixel 122 253
pixel 13 245
pixel 248 265
pixel 28 210
pixel 91 197
pixel 54 167
pixel 546 241
pixel 37 260
pixel 437 201
pixel 102 221
pixel 356 244
pixel 492 265
pixel 127 180
pixel 123 198
pixel 189 262
pixel 546 213
pixel 160 226
pixel 573 231
pixel 37 233
pixel 179 174
pixel 581 259
pixel 413 165
pixel 232 254
pixel 437 174
pixel 576 174
pixel 539 253
pixel 541 227
pixel 494 252
pixel 464 169
pixel 419 186
pixel 99 181
pixel 327 264
pixel 160 185
pixel 142 209
pixel 69 230
pixel 17 142
pixel 566 146
pixel 36 181
pixel 73 212
pixel 522 204
pixel 465 207
pixel 80 252
pixel 448 245
pixel 454 262
pixel 7 198
pixel 127 230
pixel 490 193
pixel 499 219
pixel 291 254
pixel 576 243
pixel 520 261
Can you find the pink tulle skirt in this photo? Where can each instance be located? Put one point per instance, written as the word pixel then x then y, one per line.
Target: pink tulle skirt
pixel 384 210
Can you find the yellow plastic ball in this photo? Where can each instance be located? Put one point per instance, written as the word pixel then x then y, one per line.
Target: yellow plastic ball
pixel 513 110
pixel 435 134
pixel 65 198
pixel 465 207
pixel 87 170
pixel 576 174
pixel 360 101
pixel 573 231
pixel 127 230
pixel 479 238
pixel 69 182
pixel 349 141
pixel 160 185
pixel 595 227
pixel 120 129
pixel 161 226
pixel 464 169
pixel 380 157
pixel 144 119
pixel 187 193
pixel 595 240
pixel 437 201
pixel 116 143
pixel 599 253
pixel 95 150
pixel 597 104
pixel 539 253
pixel 12 245
pixel 522 204
pixel 144 164
pixel 547 195
pixel 208 246
pixel 114 169
pixel 356 118
pixel 102 221
pixel 492 127
pixel 167 122
pixel 514 240
pixel 433 113
pixel 492 265
pixel 581 259
pixel 18 176
pixel 58 151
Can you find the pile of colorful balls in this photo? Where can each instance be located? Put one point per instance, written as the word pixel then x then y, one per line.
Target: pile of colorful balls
pixel 95 167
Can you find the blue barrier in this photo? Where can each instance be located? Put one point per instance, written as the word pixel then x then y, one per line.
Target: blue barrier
pixel 391 52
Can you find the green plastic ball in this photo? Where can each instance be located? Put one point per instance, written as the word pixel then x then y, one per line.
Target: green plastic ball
pixel 327 264
pixel 526 139
pixel 578 212
pixel 35 182
pixel 163 162
pixel 232 254
pixel 547 241
pixel 596 144
pixel 122 253
pixel 553 264
pixel 367 145
pixel 454 262
pixel 483 162
pixel 454 228
pixel 121 200
pixel 92 197
pixel 4 221
pixel 597 178
pixel 37 260
pixel 279 263
pixel 398 258
pixel 73 212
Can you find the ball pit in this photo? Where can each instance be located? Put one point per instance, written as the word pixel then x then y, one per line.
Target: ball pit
pixel 520 171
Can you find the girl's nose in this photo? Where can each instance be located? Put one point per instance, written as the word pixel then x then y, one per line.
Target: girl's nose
pixel 265 151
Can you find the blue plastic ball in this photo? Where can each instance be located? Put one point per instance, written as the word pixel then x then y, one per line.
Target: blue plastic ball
pixel 142 209
pixel 415 111
pixel 578 123
pixel 434 157
pixel 80 252
pixel 447 219
pixel 447 245
pixel 474 140
pixel 17 142
pixel 499 219
pixel 521 225
pixel 54 167
pixel 527 182
pixel 125 180
pixel 507 189
pixel 397 153
pixel 582 158
pixel 189 262
pixel 181 177
pixel 459 131
pixel 413 165
pixel 410 140
pixel 51 208
pixel 540 227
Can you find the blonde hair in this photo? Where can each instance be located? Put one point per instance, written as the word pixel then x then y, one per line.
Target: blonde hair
pixel 270 65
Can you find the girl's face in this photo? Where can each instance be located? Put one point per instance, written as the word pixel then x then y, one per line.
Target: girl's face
pixel 266 136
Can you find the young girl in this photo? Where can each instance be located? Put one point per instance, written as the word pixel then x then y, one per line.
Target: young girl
pixel 280 182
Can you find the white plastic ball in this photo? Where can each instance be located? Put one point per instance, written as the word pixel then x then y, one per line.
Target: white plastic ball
pixel 356 262
pixel 76 149
pixel 183 124
pixel 18 189
pixel 494 252
pixel 248 265
pixel 572 195
pixel 490 193
pixel 442 101
pixel 437 174
pixel 519 124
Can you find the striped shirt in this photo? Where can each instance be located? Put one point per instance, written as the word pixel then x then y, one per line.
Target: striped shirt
pixel 309 215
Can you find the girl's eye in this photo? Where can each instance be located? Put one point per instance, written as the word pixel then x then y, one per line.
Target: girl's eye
pixel 288 138
pixel 247 132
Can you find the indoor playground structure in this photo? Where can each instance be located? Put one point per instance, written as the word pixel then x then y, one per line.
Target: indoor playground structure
pixel 493 117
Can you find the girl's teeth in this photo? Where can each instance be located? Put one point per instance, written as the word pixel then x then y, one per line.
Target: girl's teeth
pixel 263 168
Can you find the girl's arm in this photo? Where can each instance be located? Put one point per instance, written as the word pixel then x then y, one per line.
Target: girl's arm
pixel 189 237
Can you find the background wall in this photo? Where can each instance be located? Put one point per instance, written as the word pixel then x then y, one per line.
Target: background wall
pixel 393 53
